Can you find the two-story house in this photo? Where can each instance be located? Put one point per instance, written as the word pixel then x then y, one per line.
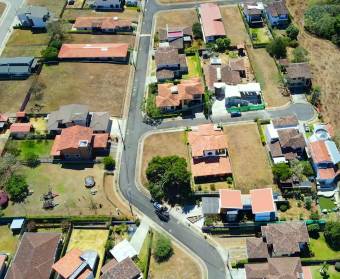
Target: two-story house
pixel 172 97
pixel 253 13
pixel 34 16
pixel 170 64
pixel 209 152
pixel 277 14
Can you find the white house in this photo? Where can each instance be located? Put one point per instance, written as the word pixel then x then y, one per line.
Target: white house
pixel 108 4
pixel 34 16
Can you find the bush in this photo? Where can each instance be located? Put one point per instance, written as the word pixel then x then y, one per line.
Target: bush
pixel 313 230
pixel 283 207
pixel 332 234
pixel 163 248
pixel 337 266
pixel 292 32
pixel 109 163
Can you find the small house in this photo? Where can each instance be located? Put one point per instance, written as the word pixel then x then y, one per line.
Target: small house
pixel 34 17
pixel 298 76
pixel 108 4
pixel 253 12
pixel 277 13
pixel 262 204
pixel 211 21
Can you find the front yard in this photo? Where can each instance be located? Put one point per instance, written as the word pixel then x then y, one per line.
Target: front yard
pixel 101 86
pixel 249 161
pixel 68 183
pixel 90 240
pixel 321 249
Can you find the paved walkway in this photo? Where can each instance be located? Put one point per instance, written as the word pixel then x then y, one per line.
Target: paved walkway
pixel 138 237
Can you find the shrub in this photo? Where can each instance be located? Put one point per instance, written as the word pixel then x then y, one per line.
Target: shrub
pixel 332 234
pixel 163 248
pixel 292 32
pixel 313 230
pixel 283 207
pixel 109 163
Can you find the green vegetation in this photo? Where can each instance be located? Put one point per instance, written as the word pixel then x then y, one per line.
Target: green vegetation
pixel 109 163
pixel 197 30
pixel 168 178
pixel 162 249
pixel 332 235
pixel 326 203
pixel 281 171
pixel 321 250
pixel 323 20
pixel 277 48
pixel 17 187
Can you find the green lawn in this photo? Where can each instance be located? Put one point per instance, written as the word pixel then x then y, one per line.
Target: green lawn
pixel 321 249
pixel 260 35
pixel 326 203
pixel 194 67
pixel 8 242
pixel 40 147
pixel 333 274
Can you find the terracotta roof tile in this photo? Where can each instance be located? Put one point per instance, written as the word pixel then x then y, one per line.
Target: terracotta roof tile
pixel 262 200
pixel 230 199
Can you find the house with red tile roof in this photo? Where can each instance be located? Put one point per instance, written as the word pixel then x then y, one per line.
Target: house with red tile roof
pixel 79 142
pixel 105 51
pixel 102 24
pixel 211 21
pixel 77 264
pixel 181 96
pixel 20 130
pixel 209 151
pixel 262 204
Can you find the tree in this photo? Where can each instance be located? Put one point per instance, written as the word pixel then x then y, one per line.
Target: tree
pixel 292 32
pixel 197 30
pixel 17 187
pixel 332 234
pixel 31 159
pixel 109 163
pixel 168 178
pixel 163 248
pixel 222 44
pixel 49 54
pixel 299 55
pixel 277 48
pixel 313 230
pixel 281 171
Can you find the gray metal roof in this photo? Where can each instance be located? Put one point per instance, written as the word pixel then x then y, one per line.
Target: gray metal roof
pixel 210 205
pixel 100 121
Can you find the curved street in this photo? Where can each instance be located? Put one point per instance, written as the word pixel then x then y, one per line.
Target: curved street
pixel 135 128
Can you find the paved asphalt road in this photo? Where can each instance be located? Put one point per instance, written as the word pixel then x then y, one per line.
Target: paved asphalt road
pixel 136 128
pixel 7 19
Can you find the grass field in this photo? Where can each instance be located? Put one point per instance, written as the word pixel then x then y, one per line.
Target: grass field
pixel 268 76
pixel 163 144
pixel 180 265
pixel 13 92
pixel 333 274
pixel 194 67
pixel 90 39
pixel 127 14
pixel 322 54
pixel 90 240
pixel 180 18
pixel 54 6
pixel 101 86
pixel 234 25
pixel 25 43
pixel 8 242
pixel 249 161
pixel 2 8
pixel 73 198
pixel 42 148
pixel 321 249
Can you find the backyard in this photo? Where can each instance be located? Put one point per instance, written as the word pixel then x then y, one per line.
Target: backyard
pixel 42 148
pixel 25 43
pixel 163 144
pixel 249 160
pixel 90 240
pixel 234 25
pixel 180 18
pixel 321 249
pixel 180 265
pixel 101 86
pixel 8 242
pixel 68 183
pixel 52 5
pixel 268 76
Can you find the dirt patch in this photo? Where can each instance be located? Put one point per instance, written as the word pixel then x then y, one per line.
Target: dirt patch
pixel 101 86
pixel 268 76
pixel 179 18
pixel 97 39
pixel 234 25
pixel 249 160
pixel 163 144
pixel 324 61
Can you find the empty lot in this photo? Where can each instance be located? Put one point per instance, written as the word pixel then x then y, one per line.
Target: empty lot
pixel 249 161
pixel 179 18
pixel 268 76
pixel 234 25
pixel 101 86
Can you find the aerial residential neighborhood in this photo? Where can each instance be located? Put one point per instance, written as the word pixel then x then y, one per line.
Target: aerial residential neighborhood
pixel 167 139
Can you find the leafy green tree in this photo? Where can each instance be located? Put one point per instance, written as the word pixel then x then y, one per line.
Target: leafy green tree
pixel 281 171
pixel 299 55
pixel 332 234
pixel 222 44
pixel 50 54
pixel 163 248
pixel 197 30
pixel 277 48
pixel 168 178
pixel 17 187
pixel 109 163
pixel 292 32
pixel 313 230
